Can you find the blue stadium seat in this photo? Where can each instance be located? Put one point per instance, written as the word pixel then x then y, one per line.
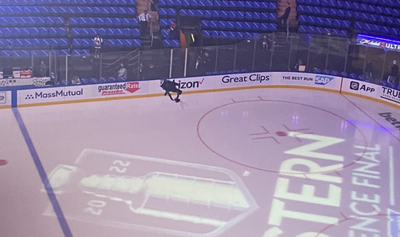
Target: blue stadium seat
pixel 221 25
pixel 240 15
pixel 317 70
pixel 326 71
pixel 93 81
pixel 81 52
pixel 40 53
pixel 84 81
pixel 170 43
pixel 239 25
pixel 303 29
pixel 352 76
pixel 135 32
pixel 136 43
pixel 334 73
pixel 82 42
pixel 230 25
pixel 63 52
pixel 199 13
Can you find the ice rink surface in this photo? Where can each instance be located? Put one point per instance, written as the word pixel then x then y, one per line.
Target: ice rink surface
pixel 257 163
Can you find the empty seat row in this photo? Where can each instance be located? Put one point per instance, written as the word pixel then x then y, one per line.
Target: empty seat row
pixel 322 30
pixel 389 3
pixel 34 43
pixel 229 34
pixel 315 20
pixel 335 10
pixel 302 9
pixel 108 42
pixel 28 53
pixel 171 43
pixel 31 21
pixel 33 32
pixel 349 4
pixel 219 4
pixel 367 27
pixel 104 32
pixel 85 81
pixel 384 20
pixel 70 10
pixel 103 21
pixel 166 22
pixel 233 15
pixel 67 2
pixel 231 25
pixel 78 52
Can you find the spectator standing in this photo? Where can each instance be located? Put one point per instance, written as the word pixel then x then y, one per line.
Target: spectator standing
pixel 394 72
pixel 75 80
pixel 203 62
pixel 122 72
pixel 368 71
pixel 98 41
pixel 298 64
pixel 154 6
pixel 144 22
pixel 173 31
pixel 283 19
pixel 43 69
pixel 265 43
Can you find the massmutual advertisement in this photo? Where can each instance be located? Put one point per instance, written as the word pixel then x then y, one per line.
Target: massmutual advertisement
pixel 55 94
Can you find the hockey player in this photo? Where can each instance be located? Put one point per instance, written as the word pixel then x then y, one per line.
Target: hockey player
pixel 171 86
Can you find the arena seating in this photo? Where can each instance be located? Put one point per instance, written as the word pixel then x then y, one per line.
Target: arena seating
pixel 337 17
pixel 31 26
pixel 223 19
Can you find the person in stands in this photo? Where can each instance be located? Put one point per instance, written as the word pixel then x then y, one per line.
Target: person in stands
pixel 173 31
pixel 394 72
pixel 98 41
pixel 75 80
pixel 144 22
pixel 284 18
pixel 122 72
pixel 368 71
pixel 43 69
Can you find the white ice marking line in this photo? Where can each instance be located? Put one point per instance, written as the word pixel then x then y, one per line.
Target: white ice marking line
pixel 391 176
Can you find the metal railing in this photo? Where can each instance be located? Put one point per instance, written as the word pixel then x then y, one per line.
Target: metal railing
pixel 274 52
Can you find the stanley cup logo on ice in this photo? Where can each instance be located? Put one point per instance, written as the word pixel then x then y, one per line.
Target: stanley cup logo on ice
pixel 143 193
